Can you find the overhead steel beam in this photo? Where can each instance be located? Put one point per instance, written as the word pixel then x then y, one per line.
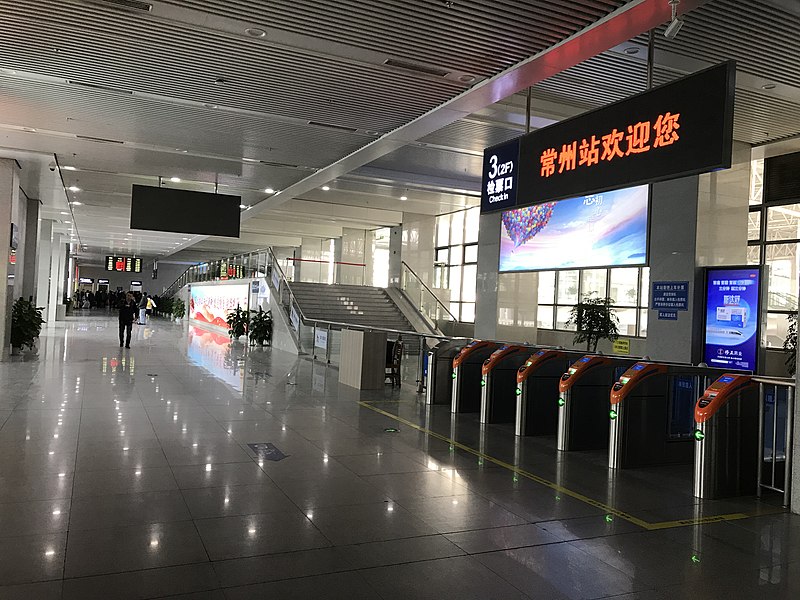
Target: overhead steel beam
pixel 627 22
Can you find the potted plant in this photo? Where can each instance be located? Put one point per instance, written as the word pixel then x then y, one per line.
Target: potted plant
pixel 178 309
pixel 261 327
pixel 594 320
pixel 237 323
pixel 790 345
pixel 165 307
pixel 26 324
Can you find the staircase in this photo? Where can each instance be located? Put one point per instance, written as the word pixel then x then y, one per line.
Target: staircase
pixel 350 304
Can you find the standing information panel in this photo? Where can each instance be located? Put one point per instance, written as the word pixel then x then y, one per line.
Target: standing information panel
pixel 734 324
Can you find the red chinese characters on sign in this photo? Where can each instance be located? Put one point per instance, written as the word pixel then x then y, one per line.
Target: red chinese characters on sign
pixel 636 138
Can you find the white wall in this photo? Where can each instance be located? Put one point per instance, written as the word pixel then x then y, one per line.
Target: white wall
pixel 418 245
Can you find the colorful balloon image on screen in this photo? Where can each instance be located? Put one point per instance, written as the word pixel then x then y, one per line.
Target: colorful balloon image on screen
pixel 606 229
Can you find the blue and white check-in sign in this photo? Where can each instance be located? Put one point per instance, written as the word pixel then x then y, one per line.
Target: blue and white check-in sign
pixel 670 295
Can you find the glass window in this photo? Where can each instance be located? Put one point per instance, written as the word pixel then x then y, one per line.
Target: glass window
pixel 472 225
pixel 547 287
pixel 643 322
pixel 624 286
pixel 544 316
pixel 783 273
pixel 627 321
pixel 443 230
pixel 562 316
pixel 754 255
pixel 468 312
pixel 568 286
pixel 443 255
pixel 593 281
pixel 645 291
pixel 455 285
pixel 469 283
pixel 457 228
pixel 783 222
pixel 754 225
pixel 454 306
pixel 455 254
pixel 505 316
pixel 471 254
pixel 777 328
pixel 756 181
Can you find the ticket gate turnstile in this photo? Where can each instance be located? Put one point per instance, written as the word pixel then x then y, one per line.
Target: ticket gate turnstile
pixel 466 395
pixel 726 438
pixel 651 414
pixel 439 378
pixel 498 382
pixel 583 401
pixel 537 387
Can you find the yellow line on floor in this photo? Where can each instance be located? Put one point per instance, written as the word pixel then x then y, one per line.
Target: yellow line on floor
pixel 566 491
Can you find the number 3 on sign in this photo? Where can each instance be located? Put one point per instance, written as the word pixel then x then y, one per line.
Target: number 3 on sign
pixel 493 170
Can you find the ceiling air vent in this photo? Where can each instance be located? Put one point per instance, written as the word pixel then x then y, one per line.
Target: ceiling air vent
pixel 97 86
pixel 126 4
pixel 99 140
pixel 331 126
pixel 409 66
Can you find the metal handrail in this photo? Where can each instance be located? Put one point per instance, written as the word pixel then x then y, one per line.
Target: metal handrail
pixel 787 381
pixel 425 286
pixel 776 382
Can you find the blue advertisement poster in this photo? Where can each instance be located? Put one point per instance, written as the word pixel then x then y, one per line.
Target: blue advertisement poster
pixel 732 318
pixel 607 229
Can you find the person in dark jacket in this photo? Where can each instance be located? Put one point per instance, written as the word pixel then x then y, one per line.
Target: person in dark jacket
pixel 127 313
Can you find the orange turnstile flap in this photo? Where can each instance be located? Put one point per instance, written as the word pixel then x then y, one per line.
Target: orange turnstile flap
pixel 632 377
pixel 718 394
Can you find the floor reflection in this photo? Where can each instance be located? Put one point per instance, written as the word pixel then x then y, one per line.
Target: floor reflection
pixel 216 354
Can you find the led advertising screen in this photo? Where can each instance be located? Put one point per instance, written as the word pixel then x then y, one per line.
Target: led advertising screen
pixel 733 317
pixel 601 230
pixel 210 304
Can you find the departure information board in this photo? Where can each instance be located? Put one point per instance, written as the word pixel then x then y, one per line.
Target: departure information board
pixel 124 264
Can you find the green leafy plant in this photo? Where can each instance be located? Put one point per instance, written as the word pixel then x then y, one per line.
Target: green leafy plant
pixel 594 320
pixel 178 308
pixel 165 307
pixel 26 323
pixel 790 344
pixel 237 323
pixel 261 327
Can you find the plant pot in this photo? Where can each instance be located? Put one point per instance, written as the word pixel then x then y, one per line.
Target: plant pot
pixel 16 350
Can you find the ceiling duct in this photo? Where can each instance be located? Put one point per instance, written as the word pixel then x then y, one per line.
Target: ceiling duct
pixel 129 5
pixel 416 68
pixel 88 138
pixel 332 126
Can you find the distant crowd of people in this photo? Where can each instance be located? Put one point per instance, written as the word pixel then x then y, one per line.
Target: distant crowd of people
pixel 133 308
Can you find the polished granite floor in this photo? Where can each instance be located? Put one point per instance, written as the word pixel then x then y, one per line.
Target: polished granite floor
pixel 128 474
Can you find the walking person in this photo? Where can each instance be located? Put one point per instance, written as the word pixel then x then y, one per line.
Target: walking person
pixel 143 310
pixel 151 306
pixel 127 312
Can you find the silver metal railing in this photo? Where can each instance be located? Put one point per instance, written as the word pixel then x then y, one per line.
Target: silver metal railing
pixel 773 458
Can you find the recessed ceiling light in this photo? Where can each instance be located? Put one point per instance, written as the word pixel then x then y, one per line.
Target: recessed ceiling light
pixel 68 222
pixel 255 32
pixel 250 159
pixel 185 238
pixel 76 203
pixel 175 179
pixel 29 129
pixel 269 191
pixel 467 78
pixel 210 105
pixel 325 188
pixel 69 168
pixel 9 71
pixel 631 50
pixel 74 188
pixel 768 86
pixel 220 80
pixel 403 197
pixel 64 212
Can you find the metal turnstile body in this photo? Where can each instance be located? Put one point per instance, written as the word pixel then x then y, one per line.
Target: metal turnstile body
pixel 439 384
pixel 537 391
pixel 498 382
pixel 466 394
pixel 651 417
pixel 583 401
pixel 726 439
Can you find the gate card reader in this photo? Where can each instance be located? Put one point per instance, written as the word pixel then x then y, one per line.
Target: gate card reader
pixel 583 401
pixel 439 384
pixel 651 415
pixel 726 438
pixel 537 391
pixel 466 396
pixel 498 382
